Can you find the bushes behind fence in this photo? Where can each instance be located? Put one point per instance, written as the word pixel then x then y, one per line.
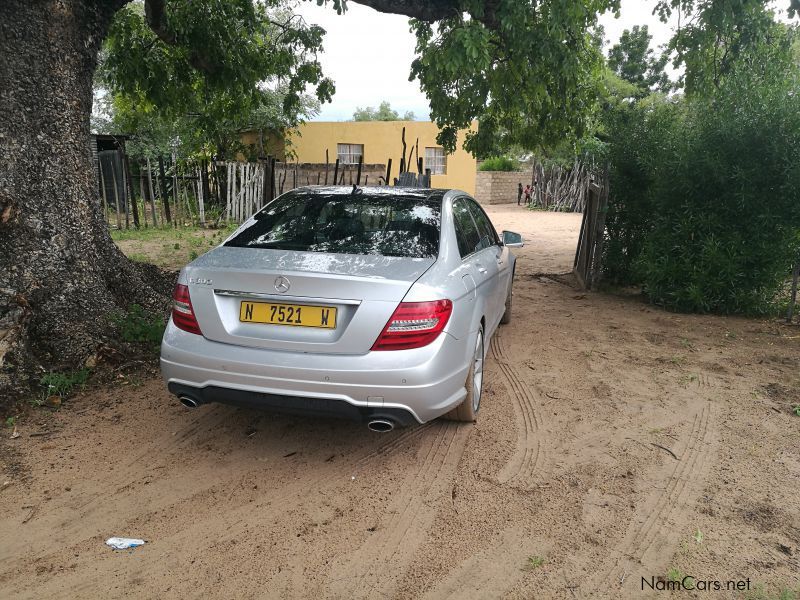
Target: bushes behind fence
pixel 705 192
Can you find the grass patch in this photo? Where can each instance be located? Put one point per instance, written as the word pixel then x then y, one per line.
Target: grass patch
pixel 62 384
pixel 150 233
pixel 675 575
pixel 678 360
pixel 760 593
pixel 533 563
pixel 167 247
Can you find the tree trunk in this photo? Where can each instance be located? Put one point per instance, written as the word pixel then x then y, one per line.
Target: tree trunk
pixel 61 275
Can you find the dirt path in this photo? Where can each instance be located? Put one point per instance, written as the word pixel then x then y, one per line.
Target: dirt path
pixel 615 442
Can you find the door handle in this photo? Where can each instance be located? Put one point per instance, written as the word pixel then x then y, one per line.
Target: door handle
pixel 482 270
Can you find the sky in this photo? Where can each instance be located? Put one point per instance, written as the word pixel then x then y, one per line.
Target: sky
pixel 368 54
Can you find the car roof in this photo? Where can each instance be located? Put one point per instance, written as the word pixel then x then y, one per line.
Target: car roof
pixel 431 195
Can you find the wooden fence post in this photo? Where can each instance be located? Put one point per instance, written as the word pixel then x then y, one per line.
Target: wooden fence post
pixel 272 172
pixel 116 191
pixel 204 180
pixel 599 234
pixel 388 171
pixel 142 194
pixel 358 176
pixel 265 181
pixel 152 192
pixel 228 185
pixel 201 209
pixel 403 154
pixel 163 185
pixel 176 192
pixel 793 297
pixel 103 189
pixel 128 177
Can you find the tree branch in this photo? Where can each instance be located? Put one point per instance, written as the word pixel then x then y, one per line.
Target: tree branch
pixel 156 18
pixel 429 11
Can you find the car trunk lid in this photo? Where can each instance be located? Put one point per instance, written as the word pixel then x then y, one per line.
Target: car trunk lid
pixel 357 292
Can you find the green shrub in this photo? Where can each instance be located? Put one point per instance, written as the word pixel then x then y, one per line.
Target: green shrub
pixel 705 209
pixel 137 325
pixel 499 163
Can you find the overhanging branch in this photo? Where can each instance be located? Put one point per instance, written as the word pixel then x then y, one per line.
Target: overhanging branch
pixel 155 15
pixel 423 10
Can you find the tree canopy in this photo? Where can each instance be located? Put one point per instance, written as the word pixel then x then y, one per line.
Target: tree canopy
pixel 713 35
pixel 635 61
pixel 384 112
pixel 527 70
pixel 198 74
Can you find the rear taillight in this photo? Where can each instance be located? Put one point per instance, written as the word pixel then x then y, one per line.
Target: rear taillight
pixel 413 325
pixel 182 311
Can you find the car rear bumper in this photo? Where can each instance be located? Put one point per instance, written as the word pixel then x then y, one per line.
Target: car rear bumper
pixel 424 383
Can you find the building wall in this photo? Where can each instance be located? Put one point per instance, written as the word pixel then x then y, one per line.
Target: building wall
pixel 382 141
pixel 499 187
pixel 263 143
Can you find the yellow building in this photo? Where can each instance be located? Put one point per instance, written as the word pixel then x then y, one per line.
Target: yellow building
pixel 378 141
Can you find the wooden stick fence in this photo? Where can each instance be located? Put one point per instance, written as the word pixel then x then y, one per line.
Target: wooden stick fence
pixel 245 190
pixel 559 189
pixel 191 192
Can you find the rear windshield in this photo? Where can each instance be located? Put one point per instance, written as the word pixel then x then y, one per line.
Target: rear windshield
pixel 359 223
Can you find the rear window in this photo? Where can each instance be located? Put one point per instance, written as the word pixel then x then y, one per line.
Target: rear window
pixel 359 223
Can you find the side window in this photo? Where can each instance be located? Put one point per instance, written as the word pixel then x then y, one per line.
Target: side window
pixel 488 236
pixel 466 231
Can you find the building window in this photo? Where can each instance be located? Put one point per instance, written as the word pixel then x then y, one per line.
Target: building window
pixel 436 161
pixel 350 154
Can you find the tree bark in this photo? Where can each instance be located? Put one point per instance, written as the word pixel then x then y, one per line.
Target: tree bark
pixel 61 275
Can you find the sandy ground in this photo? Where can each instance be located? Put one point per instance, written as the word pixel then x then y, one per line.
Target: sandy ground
pixel 615 442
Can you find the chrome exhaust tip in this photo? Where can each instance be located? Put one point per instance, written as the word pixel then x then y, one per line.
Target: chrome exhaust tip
pixel 189 402
pixel 380 425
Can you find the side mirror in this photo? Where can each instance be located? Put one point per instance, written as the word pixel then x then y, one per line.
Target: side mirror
pixel 512 240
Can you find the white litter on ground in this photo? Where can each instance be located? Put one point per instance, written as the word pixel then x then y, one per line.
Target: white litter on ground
pixel 119 543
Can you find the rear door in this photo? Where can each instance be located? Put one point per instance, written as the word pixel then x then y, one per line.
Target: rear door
pixel 319 272
pixel 494 252
pixel 475 249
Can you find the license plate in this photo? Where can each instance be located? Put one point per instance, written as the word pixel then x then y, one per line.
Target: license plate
pixel 296 315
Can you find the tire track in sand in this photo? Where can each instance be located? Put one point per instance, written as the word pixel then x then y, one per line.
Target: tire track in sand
pixel 376 567
pixel 530 456
pixel 652 525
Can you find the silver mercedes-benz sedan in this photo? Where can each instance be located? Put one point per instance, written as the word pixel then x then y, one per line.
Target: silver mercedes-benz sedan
pixel 372 303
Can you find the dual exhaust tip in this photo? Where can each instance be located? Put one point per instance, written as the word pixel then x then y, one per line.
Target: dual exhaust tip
pixel 189 402
pixel 376 425
pixel 380 425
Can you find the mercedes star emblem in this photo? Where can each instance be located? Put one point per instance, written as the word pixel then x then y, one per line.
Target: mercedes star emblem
pixel 282 284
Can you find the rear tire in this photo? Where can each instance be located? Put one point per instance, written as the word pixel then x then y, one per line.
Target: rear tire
pixel 467 411
pixel 506 318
